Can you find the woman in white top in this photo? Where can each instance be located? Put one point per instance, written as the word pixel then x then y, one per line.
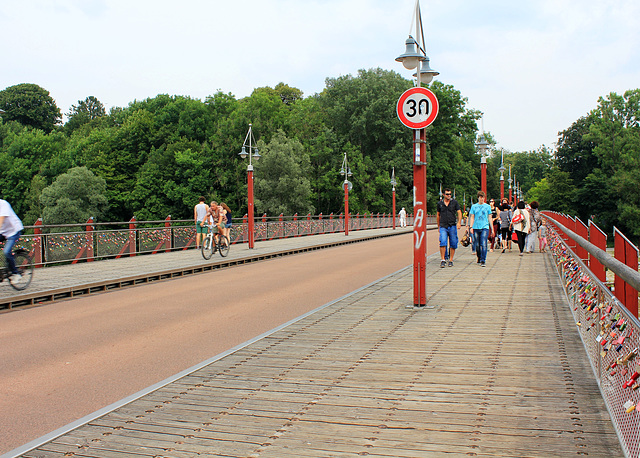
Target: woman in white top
pixel 521 223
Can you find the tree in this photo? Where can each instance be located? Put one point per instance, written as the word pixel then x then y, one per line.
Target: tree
pixel 575 152
pixel 30 105
pixel 86 111
pixel 74 197
pixel 282 182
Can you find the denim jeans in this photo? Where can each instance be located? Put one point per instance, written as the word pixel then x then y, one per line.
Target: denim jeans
pixel 451 234
pixel 481 236
pixel 8 251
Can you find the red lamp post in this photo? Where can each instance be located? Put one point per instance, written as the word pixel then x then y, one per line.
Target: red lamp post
pixel 249 142
pixel 483 146
pixel 417 111
pixel 510 180
pixel 345 171
pixel 502 169
pixel 393 190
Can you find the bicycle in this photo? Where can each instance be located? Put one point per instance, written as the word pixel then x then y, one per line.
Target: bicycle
pixel 211 244
pixel 24 263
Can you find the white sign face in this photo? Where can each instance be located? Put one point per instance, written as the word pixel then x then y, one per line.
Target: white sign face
pixel 417 108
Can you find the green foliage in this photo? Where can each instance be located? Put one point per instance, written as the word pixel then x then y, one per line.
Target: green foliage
pixel 157 155
pixel 281 178
pixel 74 196
pixel 30 105
pixel 86 111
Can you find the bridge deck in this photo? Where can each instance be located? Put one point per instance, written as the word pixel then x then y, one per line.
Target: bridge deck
pixel 492 367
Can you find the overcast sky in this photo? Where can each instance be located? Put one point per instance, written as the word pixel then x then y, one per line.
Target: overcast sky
pixel 532 67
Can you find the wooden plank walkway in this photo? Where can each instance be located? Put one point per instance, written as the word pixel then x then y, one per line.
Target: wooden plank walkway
pixel 492 367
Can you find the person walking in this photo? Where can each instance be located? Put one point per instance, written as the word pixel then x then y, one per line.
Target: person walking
pixel 505 223
pixel 521 224
pixel 536 221
pixel 496 225
pixel 199 212
pixel 403 217
pixel 543 237
pixel 449 219
pixel 10 231
pixel 481 224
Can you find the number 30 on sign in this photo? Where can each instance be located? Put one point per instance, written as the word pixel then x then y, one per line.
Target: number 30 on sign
pixel 417 108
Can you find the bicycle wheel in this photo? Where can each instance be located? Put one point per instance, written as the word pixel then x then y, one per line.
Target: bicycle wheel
pixel 24 263
pixel 207 246
pixel 224 246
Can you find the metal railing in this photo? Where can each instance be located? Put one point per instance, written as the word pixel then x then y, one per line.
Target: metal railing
pixel 72 243
pixel 609 332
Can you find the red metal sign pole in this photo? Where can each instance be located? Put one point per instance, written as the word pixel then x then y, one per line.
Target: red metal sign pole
pixel 420 222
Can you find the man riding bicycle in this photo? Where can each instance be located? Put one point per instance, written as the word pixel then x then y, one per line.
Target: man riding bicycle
pixel 10 230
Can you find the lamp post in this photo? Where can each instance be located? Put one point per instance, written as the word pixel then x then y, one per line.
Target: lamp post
pixel 345 171
pixel 393 191
pixel 502 169
pixel 483 146
pixel 510 180
pixel 415 57
pixel 249 142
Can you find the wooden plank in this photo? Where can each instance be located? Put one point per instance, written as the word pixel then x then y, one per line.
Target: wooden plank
pixel 471 376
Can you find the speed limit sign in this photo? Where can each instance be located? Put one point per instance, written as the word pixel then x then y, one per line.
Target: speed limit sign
pixel 417 107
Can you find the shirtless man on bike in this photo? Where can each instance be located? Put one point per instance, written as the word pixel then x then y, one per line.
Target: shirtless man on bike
pixel 10 230
pixel 215 216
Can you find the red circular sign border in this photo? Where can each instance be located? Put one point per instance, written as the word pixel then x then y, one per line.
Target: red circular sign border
pixel 434 113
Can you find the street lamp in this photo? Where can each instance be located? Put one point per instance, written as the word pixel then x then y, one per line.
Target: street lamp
pixel 415 57
pixel 502 169
pixel 510 180
pixel 249 142
pixel 483 146
pixel 393 189
pixel 345 171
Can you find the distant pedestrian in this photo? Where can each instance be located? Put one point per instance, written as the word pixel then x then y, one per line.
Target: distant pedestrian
pixel 542 232
pixel 520 223
pixel 228 223
pixel 535 219
pixel 449 219
pixel 199 212
pixel 505 223
pixel 403 217
pixel 481 224
pixel 496 225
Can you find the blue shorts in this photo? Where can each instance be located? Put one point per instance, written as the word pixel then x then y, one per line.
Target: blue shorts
pixel 450 233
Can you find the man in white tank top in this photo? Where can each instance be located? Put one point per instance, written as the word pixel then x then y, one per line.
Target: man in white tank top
pixel 199 212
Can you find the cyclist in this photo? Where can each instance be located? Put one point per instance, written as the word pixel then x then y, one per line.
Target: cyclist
pixel 215 216
pixel 10 230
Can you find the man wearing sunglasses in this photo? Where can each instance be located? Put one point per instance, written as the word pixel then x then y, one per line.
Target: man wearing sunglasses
pixel 449 218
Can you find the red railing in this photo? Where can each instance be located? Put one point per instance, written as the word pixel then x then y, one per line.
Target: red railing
pixel 52 244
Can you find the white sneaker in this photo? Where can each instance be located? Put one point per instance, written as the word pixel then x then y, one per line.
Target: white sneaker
pixel 15 279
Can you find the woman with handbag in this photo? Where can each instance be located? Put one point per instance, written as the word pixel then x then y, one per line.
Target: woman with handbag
pixel 520 222
pixel 505 222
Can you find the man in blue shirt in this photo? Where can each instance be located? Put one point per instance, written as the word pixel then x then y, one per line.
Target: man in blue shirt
pixel 481 223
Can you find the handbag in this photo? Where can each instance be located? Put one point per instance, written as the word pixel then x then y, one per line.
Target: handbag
pixel 514 236
pixel 517 218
